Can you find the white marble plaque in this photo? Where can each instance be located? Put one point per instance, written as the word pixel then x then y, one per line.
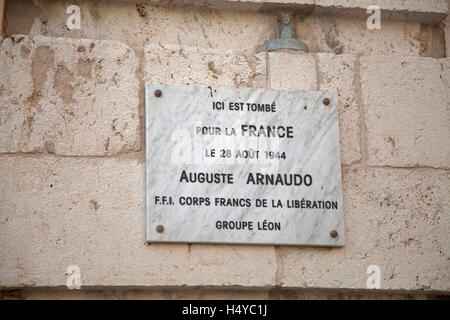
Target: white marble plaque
pixel 248 166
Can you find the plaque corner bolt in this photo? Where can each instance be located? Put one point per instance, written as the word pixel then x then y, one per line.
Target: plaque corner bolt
pixel 333 233
pixel 158 93
pixel 326 101
pixel 160 229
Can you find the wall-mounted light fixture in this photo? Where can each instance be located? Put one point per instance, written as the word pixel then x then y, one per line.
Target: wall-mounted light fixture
pixel 285 40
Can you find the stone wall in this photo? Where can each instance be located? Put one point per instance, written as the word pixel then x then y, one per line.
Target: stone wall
pixel 72 145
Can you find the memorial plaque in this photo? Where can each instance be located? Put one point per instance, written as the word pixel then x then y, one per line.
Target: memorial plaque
pixel 247 166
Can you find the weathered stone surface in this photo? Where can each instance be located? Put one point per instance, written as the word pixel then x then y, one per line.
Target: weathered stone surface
pixel 76 97
pixel 327 72
pixel 336 73
pixel 410 6
pixel 200 66
pixel 407 111
pixel 141 23
pixel 431 10
pixel 330 28
pixel 61 211
pixel 340 34
pixel 90 212
pixel 237 30
pixel 397 219
pixel 292 71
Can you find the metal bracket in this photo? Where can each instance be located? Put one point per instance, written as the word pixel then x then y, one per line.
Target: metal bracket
pixel 285 40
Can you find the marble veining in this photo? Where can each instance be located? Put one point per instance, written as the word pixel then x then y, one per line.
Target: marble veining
pixel 173 145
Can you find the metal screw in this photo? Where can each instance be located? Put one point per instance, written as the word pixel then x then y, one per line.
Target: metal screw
pixel 334 234
pixel 158 93
pixel 160 229
pixel 326 101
